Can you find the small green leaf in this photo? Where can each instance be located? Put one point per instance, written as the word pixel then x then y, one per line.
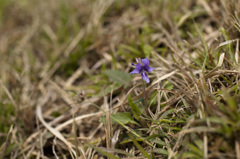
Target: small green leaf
pixel 159 142
pixel 169 86
pixel 189 155
pixel 172 128
pixel 166 113
pixel 184 102
pixel 135 110
pixel 127 140
pixel 195 149
pixel 112 151
pixel 205 53
pixel 109 89
pixel 103 152
pixel 124 118
pixel 131 49
pixel 160 151
pixel 147 49
pixel 120 77
pixel 200 33
pixel 140 148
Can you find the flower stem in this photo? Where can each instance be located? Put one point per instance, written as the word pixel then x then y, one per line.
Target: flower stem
pixel 145 98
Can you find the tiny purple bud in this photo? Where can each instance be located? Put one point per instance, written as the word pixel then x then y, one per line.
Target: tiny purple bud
pixel 137 60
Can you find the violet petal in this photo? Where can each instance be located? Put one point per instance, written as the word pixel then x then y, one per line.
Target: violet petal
pixel 145 77
pixel 148 68
pixel 138 69
pixel 135 71
pixel 145 62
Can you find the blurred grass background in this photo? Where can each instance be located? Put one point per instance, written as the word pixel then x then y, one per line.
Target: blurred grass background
pixel 56 58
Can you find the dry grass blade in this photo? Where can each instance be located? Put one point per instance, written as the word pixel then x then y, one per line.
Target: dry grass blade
pixel 163 77
pixel 53 148
pixel 51 129
pixel 220 62
pixel 54 131
pixel 237 148
pixel 237 52
pixel 8 94
pixel 199 129
pixel 23 42
pixel 4 147
pixel 226 42
pixel 108 124
pixel 72 79
pixel 77 119
pixel 205 145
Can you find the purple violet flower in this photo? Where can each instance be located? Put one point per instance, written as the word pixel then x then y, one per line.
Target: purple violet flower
pixel 142 67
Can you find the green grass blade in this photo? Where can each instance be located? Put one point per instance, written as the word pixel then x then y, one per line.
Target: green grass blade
pixel 140 148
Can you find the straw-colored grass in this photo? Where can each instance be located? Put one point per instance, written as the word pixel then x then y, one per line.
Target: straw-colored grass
pixel 66 91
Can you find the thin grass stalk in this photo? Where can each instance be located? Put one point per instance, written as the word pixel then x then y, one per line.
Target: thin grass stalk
pixel 145 99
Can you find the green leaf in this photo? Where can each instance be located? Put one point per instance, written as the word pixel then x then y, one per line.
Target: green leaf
pixel 140 148
pixel 202 38
pixel 124 118
pixel 131 49
pixel 206 55
pixel 199 143
pixel 109 89
pixel 135 110
pixel 195 149
pixel 184 102
pixel 218 120
pixel 159 142
pixel 128 140
pixel 120 77
pixel 171 128
pixel 160 151
pixel 147 49
pixel 103 152
pixel 166 113
pixel 189 155
pixel 170 121
pixel 169 86
pixel 112 151
pixel 153 136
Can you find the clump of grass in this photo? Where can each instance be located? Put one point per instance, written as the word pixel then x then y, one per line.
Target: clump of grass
pixel 67 93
